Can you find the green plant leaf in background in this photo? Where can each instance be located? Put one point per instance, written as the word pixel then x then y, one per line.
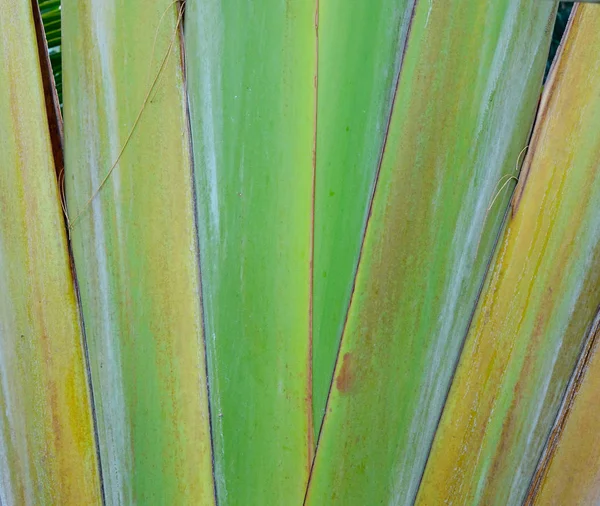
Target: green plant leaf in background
pixel 47 448
pixel 455 133
pixel 541 296
pixel 251 83
pixel 135 248
pixel 50 11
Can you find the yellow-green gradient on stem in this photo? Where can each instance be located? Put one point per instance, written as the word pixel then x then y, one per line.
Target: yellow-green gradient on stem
pixel 469 82
pixel 47 449
pixel 541 295
pixel 135 248
pixel 569 472
pixel 251 70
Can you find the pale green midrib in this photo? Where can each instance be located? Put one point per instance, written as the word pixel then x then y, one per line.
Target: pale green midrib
pixel 509 212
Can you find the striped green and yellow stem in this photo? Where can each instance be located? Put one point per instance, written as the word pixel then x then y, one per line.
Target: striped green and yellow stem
pixel 359 53
pixel 131 208
pixel 463 108
pixel 541 295
pixel 569 469
pixel 47 447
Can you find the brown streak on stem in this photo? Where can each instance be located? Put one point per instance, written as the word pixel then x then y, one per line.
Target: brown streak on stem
pixel 345 379
pixel 577 378
pixel 55 129
pixel 55 122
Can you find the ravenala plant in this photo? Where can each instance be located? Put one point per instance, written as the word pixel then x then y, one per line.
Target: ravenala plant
pixel 309 252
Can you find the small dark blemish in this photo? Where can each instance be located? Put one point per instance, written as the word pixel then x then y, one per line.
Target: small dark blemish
pixel 345 378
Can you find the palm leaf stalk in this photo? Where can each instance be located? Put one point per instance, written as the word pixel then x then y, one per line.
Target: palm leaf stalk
pixel 251 83
pixel 432 224
pixel 289 268
pixel 568 470
pixel 542 293
pixel 135 248
pixel 47 446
